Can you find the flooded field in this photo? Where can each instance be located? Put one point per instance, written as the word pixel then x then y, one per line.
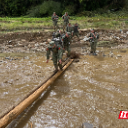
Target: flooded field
pixel 94 90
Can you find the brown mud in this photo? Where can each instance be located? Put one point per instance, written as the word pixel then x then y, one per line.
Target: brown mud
pixel 93 90
pixel 36 41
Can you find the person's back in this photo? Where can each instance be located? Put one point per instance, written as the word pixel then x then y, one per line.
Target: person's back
pixel 66 43
pixel 58 42
pixel 65 40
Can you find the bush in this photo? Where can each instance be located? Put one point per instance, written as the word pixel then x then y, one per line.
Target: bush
pixel 86 14
pixel 45 9
pixel 34 12
pixel 70 9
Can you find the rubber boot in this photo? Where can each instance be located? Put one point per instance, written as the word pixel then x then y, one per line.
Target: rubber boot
pixel 68 55
pixel 56 69
pixel 60 66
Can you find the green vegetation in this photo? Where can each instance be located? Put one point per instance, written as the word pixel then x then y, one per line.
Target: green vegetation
pixel 104 21
pixel 41 8
pixel 109 14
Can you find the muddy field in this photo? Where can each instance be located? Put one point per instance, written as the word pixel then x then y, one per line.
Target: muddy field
pixel 93 90
pixel 37 42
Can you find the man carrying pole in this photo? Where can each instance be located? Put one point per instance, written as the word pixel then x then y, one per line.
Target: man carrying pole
pixel 57 54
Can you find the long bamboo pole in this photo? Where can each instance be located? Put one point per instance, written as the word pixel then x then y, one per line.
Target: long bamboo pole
pixel 28 101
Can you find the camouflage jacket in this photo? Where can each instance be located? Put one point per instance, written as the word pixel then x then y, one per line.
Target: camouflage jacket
pixel 69 29
pixel 55 18
pixel 95 37
pixel 66 18
pixel 75 29
pixel 56 51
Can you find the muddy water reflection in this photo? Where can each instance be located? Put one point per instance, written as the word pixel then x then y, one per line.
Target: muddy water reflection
pixel 93 90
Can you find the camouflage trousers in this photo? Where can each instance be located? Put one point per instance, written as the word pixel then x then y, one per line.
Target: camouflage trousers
pixel 76 34
pixel 56 62
pixel 55 25
pixel 67 48
pixel 93 47
pixel 65 25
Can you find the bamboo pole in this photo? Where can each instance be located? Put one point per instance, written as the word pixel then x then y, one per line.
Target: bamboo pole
pixel 28 101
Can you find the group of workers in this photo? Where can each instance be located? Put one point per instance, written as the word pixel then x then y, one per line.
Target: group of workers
pixel 58 45
pixel 55 18
pixel 60 42
pixel 66 25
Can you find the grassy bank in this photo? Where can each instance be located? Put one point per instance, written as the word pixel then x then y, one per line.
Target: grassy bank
pixel 28 24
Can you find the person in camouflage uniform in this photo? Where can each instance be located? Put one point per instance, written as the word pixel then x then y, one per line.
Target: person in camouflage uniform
pixel 66 43
pixel 56 34
pixel 76 31
pixel 55 20
pixel 66 20
pixel 93 41
pixel 56 56
pixel 69 29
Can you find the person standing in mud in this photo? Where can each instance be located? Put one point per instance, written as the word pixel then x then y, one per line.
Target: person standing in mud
pixel 56 56
pixel 55 20
pixel 76 31
pixel 66 43
pixel 66 20
pixel 93 41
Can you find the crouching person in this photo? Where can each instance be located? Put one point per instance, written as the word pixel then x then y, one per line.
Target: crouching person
pixel 56 55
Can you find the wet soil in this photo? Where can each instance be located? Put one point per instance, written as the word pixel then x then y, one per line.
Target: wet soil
pixel 94 90
pixel 37 41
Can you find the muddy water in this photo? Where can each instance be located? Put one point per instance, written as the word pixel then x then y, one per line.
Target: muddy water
pixel 93 90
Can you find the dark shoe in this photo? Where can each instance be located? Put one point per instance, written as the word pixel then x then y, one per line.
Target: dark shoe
pixel 61 69
pixel 63 60
pixel 94 54
pixel 55 71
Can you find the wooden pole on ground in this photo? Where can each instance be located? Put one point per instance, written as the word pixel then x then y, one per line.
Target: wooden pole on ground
pixel 28 101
